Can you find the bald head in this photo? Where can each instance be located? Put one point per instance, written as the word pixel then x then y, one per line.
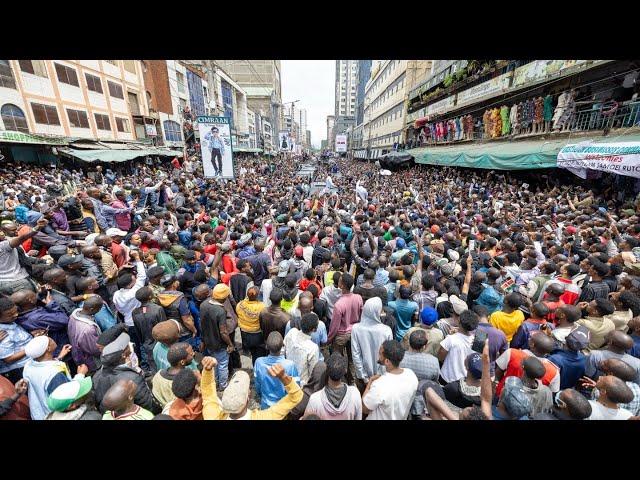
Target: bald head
pixel 91 252
pixel 202 292
pixel 24 299
pixel 619 342
pixel 555 289
pixel 305 304
pixel 120 396
pixel 541 344
pixel 102 240
pixel 615 389
pixel 618 368
pixel 92 305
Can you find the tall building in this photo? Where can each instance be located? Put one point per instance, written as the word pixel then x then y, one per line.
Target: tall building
pixel 308 139
pixel 94 99
pixel 303 127
pixel 346 81
pixel 384 102
pixel 260 79
pixel 363 73
pixel 330 122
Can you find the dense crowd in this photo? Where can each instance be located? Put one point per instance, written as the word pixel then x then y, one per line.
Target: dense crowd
pixel 150 292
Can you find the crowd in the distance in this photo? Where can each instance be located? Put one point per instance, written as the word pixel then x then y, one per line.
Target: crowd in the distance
pixel 150 292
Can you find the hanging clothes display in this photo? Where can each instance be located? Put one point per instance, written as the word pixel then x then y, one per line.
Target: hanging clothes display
pixel 513 117
pixel 563 99
pixel 526 116
pixel 538 108
pixel 469 126
pixel 568 114
pixel 458 129
pixel 504 114
pixel 548 108
pixel 496 123
pixel 486 123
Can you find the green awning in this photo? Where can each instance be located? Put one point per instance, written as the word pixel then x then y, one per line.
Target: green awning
pixel 117 155
pixel 505 155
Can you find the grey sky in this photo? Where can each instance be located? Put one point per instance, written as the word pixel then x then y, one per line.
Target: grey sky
pixel 313 83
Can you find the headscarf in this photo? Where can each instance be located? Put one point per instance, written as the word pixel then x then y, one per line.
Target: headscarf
pixel 371 311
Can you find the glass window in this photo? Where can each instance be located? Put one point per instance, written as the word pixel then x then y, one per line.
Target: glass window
pixel 45 114
pixel 13 118
pixel 129 66
pixel 122 124
pixel 93 83
pixel 180 79
pixel 172 131
pixel 112 62
pixel 34 67
pixel 115 90
pixel 78 118
pixel 102 122
pixel 67 74
pixel 6 76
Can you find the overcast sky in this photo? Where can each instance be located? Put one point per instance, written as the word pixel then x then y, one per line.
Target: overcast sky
pixel 313 83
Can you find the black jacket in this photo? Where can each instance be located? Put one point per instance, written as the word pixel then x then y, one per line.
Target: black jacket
pixel 107 376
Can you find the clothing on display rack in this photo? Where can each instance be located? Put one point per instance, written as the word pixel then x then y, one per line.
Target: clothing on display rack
pixel 486 123
pixel 504 114
pixel 548 108
pixel 513 117
pixel 496 123
pixel 563 100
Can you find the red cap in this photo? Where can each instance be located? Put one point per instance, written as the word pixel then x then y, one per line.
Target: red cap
pixel 571 230
pixel 220 229
pixel 298 251
pixel 386 226
pixel 435 228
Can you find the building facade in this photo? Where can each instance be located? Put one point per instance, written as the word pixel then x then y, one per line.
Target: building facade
pixel 345 88
pixel 93 99
pixel 363 73
pixel 302 134
pixel 330 123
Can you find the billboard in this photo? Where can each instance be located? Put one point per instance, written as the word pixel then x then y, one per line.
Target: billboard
pixel 341 143
pixel 215 145
pixel 285 142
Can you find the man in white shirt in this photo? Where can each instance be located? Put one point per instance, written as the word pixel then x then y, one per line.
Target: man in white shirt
pixel 455 348
pixel 389 397
pixel 300 349
pixel 613 391
pixel 125 298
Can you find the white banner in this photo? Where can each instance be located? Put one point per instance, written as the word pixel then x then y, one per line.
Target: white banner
pixel 341 143
pixel 215 145
pixel 622 158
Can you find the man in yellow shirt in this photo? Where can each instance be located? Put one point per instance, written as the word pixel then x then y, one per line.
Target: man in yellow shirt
pixel 248 311
pixel 235 399
pixel 510 317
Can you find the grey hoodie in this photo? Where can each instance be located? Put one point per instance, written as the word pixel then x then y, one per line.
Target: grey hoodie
pixel 330 294
pixel 366 338
pixel 350 407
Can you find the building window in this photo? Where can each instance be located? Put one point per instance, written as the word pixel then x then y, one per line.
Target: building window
pixel 93 83
pixel 180 79
pixel 134 107
pixel 78 118
pixel 6 76
pixel 34 67
pixel 122 124
pixel 172 131
pixel 129 66
pixel 102 122
pixel 112 62
pixel 67 75
pixel 45 114
pixel 115 90
pixel 13 118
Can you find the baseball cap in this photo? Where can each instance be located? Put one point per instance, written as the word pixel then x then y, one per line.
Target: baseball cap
pixel 118 345
pixel 57 250
pixel 155 272
pixel 115 232
pixel 428 315
pixel 283 268
pixel 571 230
pixel 515 399
pixel 220 292
pixel 435 228
pixel 167 280
pixel 458 304
pixel 244 239
pixel 298 251
pixel 66 260
pixel 474 365
pixel 67 393
pixel 37 346
pixel 236 394
pixel 578 339
pixel 400 243
pixel 220 229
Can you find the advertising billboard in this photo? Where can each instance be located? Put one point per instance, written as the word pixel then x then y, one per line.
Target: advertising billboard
pixel 215 145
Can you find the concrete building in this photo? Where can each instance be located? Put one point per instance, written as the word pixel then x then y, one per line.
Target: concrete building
pixel 363 73
pixel 251 121
pixel 95 99
pixel 303 127
pixel 308 139
pixel 384 102
pixel 260 79
pixel 346 82
pixel 330 123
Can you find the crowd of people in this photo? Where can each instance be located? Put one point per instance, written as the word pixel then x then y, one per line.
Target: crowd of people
pixel 432 293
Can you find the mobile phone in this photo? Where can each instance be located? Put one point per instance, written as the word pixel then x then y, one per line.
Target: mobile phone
pixel 472 245
pixel 479 340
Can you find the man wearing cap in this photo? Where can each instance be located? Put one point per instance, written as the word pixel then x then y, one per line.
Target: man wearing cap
pixel 118 250
pixel 215 335
pixel 514 403
pixel 13 276
pixel 45 373
pixel 246 246
pixel 427 320
pixel 69 401
pixel 186 273
pixel 235 399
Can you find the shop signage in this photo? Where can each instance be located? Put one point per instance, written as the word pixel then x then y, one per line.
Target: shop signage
pixel 151 130
pixel 540 69
pixel 495 85
pixel 622 158
pixel 440 106
pixel 19 137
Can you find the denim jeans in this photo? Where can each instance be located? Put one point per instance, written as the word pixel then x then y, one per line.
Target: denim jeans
pixel 222 368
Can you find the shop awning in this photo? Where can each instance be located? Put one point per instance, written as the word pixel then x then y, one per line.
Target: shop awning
pixel 10 136
pixel 247 149
pixel 117 155
pixel 420 122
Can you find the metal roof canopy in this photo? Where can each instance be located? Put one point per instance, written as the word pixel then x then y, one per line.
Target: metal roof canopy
pixel 116 155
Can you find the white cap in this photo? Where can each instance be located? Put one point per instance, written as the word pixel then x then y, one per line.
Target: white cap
pixel 37 346
pixel 116 232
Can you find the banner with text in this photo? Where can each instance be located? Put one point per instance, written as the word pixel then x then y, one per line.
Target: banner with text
pixel 622 158
pixel 215 145
pixel 341 143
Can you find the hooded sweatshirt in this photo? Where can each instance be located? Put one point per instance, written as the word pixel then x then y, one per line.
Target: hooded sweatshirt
pixel 366 338
pixel 175 306
pixel 599 327
pixel 336 404
pixel 330 294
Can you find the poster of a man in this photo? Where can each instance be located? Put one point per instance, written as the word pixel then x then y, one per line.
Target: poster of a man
pixel 217 155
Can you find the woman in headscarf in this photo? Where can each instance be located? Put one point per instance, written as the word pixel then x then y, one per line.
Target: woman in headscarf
pixel 316 382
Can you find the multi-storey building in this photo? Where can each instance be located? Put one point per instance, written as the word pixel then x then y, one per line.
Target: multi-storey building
pixel 331 120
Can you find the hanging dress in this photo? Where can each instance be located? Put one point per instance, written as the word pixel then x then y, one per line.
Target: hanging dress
pixel 560 107
pixel 496 123
pixel 548 108
pixel 486 123
pixel 513 116
pixel 506 126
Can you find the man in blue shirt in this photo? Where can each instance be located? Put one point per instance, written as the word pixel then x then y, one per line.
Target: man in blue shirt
pixel 634 333
pixel 270 389
pixel 216 146
pixel 570 360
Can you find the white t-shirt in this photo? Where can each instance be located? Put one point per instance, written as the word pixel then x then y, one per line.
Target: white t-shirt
pixel 459 347
pixel 391 396
pixel 600 412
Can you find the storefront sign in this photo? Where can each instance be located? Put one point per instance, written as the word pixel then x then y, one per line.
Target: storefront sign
pixel 440 106
pixel 498 84
pixel 151 130
pixel 622 158
pixel 341 143
pixel 217 154
pixel 19 137
pixel 541 69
